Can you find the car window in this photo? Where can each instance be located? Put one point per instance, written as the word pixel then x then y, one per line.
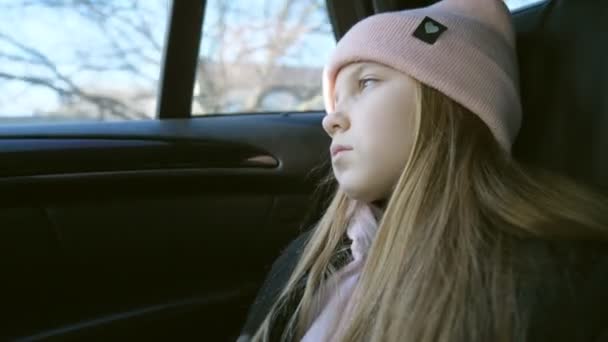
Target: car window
pixel 519 4
pixel 262 56
pixel 80 60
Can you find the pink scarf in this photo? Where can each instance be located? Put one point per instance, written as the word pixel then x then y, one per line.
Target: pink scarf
pixel 362 229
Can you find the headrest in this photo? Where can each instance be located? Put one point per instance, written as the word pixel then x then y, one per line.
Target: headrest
pixel 564 85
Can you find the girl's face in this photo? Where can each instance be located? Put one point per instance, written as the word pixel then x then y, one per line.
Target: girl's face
pixel 372 129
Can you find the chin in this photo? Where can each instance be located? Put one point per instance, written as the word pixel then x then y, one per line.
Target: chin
pixel 361 191
pixel 356 187
pixel 357 193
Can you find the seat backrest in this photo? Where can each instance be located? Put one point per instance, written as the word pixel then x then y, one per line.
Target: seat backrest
pixel 563 53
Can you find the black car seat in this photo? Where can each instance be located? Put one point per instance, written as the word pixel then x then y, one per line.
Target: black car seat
pixel 564 85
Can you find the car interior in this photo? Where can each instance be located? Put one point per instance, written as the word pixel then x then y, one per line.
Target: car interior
pixel 165 229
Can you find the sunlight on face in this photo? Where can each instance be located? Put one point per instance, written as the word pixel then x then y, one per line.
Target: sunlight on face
pixel 372 129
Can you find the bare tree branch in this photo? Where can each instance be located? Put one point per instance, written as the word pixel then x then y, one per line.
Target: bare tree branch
pixel 131 45
pixel 115 108
pixel 63 85
pixel 45 82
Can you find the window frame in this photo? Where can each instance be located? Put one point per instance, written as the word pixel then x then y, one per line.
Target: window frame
pixel 180 59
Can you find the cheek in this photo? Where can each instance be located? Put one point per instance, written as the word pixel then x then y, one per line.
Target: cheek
pixel 388 133
pixel 387 115
pixel 386 143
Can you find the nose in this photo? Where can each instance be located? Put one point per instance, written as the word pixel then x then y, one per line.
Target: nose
pixel 332 122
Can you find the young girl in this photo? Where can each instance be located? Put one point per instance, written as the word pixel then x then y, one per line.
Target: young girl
pixel 435 233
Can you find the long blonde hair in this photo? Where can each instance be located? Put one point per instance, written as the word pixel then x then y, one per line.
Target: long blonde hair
pixel 442 266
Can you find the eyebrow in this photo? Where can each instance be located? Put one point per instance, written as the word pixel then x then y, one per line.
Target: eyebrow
pixel 358 70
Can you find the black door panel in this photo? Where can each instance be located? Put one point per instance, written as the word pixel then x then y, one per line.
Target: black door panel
pixel 23 157
pixel 150 229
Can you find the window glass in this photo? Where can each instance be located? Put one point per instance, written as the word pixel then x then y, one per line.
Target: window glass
pixel 519 4
pixel 262 56
pixel 80 60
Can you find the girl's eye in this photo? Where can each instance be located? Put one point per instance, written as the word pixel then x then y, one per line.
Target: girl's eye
pixel 366 82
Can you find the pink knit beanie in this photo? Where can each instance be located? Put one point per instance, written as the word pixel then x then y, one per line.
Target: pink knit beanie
pixel 463 48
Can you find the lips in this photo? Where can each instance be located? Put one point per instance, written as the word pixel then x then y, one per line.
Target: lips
pixel 337 149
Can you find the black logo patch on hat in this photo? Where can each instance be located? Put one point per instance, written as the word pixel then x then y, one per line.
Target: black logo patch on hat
pixel 429 30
